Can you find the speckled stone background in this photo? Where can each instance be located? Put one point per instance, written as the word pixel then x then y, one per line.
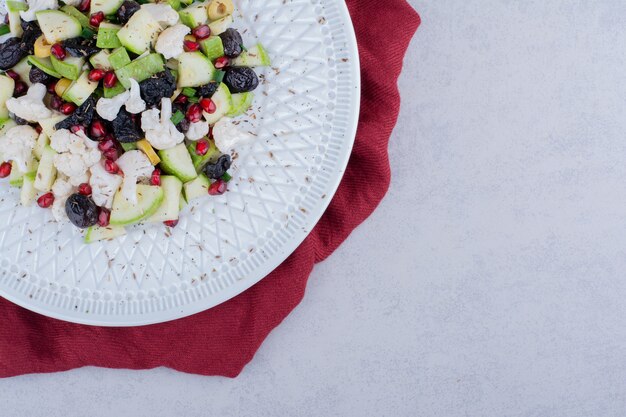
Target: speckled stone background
pixel 491 281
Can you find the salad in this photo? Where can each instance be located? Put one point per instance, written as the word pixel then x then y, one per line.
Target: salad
pixel 119 112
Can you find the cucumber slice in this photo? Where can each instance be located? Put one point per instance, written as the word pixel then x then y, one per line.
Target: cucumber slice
pixel 223 102
pixel 97 233
pixel 107 36
pixel 16 6
pixel 107 6
pixel 42 141
pixel 212 47
pixel 170 208
pixel 46 172
pixel 132 146
pixel 48 125
pixel 16 179
pixel 44 64
pixel 140 32
pixel 119 58
pixel 80 90
pixel 7 85
pixel 23 70
pixel 197 188
pixel 102 60
pixel 194 69
pixel 177 161
pixel 220 25
pixel 199 161
pixel 58 26
pixel 194 15
pixel 113 91
pixel 29 193
pixel 69 68
pixel 255 56
pixel 75 13
pixel 241 104
pixel 140 69
pixel 149 198
pixel 15 26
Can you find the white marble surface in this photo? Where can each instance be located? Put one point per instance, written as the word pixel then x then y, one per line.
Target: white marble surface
pixel 491 280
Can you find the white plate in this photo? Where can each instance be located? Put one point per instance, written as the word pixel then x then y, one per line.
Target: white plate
pixel 305 116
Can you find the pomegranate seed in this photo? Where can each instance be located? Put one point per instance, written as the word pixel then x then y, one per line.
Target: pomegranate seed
pixel 5 169
pixel 181 99
pixel 191 46
pixel 194 113
pixel 45 200
pixel 51 87
pixel 56 102
pixel 104 217
pixel 77 128
pixel 98 129
pixel 96 18
pixel 111 167
pixel 96 75
pixel 208 105
pixel 202 147
pixel 171 223
pixel 84 189
pixel 221 62
pixel 107 143
pixel 201 32
pixel 218 187
pixel 12 74
pixel 67 108
pixel 110 79
pixel 84 5
pixel 20 88
pixel 111 154
pixel 38 129
pixel 58 51
pixel 155 179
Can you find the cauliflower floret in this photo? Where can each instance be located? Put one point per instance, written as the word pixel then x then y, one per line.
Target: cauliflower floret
pixel 161 132
pixel 135 104
pixel 103 185
pixel 228 135
pixel 75 157
pixel 108 108
pixel 35 6
pixel 134 165
pixel 18 144
pixel 30 107
pixel 163 13
pixel 170 42
pixel 61 189
pixel 197 130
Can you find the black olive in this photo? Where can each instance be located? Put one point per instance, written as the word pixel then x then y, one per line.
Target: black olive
pixel 81 210
pixel 20 121
pixel 11 53
pixel 231 39
pixel 208 90
pixel 241 80
pixel 219 168
pixel 125 129
pixel 80 47
pixel 83 115
pixel 31 33
pixel 36 75
pixel 126 11
pixel 156 87
pixel 183 126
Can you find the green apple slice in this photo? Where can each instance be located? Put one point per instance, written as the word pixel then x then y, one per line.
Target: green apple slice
pixel 170 208
pixel 177 161
pixel 58 26
pixel 149 198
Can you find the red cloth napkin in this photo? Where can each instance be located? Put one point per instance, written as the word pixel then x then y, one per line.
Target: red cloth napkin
pixel 221 341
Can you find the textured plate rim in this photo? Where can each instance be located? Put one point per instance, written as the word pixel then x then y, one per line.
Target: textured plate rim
pixel 258 274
